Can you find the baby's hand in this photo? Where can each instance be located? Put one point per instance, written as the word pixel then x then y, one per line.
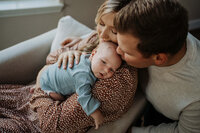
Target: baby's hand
pixel 98 118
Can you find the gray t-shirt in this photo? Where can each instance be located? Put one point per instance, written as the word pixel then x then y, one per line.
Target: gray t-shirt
pixel 175 92
pixel 78 79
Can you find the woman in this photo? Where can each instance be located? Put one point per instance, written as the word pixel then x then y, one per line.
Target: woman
pixel 115 94
pixel 119 94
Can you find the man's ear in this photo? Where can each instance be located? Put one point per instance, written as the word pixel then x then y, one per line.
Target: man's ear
pixel 160 59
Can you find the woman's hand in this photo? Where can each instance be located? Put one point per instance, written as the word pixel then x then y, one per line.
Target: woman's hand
pixel 71 41
pixel 68 57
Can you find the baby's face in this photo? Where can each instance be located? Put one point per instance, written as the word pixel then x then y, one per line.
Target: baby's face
pixel 105 61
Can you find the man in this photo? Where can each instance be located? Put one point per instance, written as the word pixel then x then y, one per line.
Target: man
pixel 154 34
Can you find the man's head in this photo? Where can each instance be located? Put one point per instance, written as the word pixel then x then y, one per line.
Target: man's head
pixel 154 27
pixel 105 60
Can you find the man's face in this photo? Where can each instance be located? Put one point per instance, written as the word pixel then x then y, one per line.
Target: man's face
pixel 127 48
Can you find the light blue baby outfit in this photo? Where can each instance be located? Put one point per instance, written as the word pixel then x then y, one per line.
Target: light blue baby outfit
pixel 78 79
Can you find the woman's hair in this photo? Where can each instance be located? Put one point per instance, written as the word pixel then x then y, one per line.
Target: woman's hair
pixel 90 46
pixel 109 6
pixel 161 25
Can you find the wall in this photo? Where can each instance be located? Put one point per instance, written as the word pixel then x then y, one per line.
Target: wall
pixel 193 8
pixel 194 13
pixel 17 29
pixel 20 28
pixel 83 10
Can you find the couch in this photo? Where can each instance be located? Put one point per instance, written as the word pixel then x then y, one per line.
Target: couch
pixel 20 64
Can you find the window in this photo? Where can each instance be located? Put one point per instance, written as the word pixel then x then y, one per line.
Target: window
pixel 27 7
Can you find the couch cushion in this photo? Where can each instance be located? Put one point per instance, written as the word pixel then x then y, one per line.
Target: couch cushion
pixel 69 27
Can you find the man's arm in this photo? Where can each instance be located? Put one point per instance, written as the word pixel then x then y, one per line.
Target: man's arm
pixel 189 122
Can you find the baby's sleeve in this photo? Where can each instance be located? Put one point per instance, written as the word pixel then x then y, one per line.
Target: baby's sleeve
pixel 83 85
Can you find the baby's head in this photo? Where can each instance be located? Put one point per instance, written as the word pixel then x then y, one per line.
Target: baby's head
pixel 105 60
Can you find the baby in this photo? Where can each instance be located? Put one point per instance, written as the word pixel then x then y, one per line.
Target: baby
pixel 58 82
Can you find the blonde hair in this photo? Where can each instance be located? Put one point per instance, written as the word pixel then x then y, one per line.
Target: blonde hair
pixel 109 6
pixel 90 46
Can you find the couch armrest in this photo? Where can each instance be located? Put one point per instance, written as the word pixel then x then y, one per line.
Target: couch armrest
pixel 129 118
pixel 21 62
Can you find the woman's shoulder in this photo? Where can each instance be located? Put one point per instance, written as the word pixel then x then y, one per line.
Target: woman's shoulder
pixel 127 69
pixel 123 82
pixel 126 76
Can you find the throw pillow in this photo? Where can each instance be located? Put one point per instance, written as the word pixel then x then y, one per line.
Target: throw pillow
pixel 69 27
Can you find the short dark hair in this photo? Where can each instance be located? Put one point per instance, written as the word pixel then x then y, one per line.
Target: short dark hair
pixel 161 25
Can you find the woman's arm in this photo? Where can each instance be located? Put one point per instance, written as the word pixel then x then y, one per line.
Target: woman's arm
pixel 72 46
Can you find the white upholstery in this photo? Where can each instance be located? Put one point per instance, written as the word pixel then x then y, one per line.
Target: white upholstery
pixel 21 63
pixel 68 27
